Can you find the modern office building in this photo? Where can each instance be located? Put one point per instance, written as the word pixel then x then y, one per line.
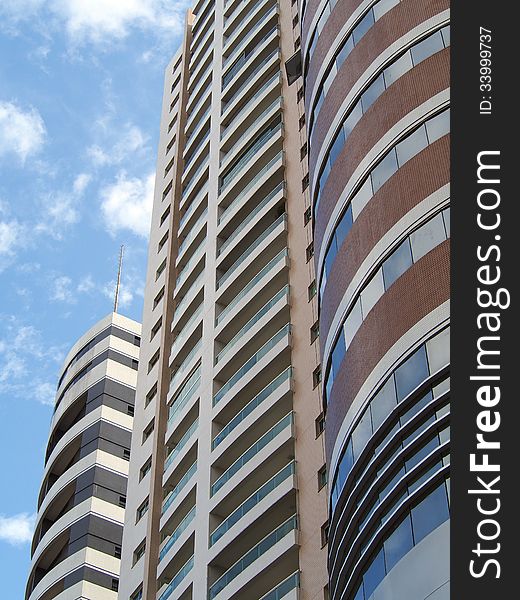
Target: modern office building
pixel 376 76
pixel 227 492
pixel 76 548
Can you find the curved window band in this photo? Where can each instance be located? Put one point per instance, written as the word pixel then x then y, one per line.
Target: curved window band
pixel 412 144
pixel 419 242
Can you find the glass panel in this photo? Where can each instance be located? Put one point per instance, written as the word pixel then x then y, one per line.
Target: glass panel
pixel 338 353
pixel 445 32
pixel 347 48
pixel 351 121
pixel 359 31
pixel 430 513
pixel 384 441
pixel 430 45
pixel 376 88
pixel 397 263
pixel 323 18
pixel 383 6
pixel 421 453
pixel 398 543
pixel 374 574
pixel 412 373
pixel 331 75
pixel 444 435
pixel 427 237
pixel 384 170
pixel 424 477
pixel 343 227
pixel 383 403
pixel 416 407
pixel 395 479
pixel 359 594
pixel 444 410
pixel 438 126
pixel 361 198
pixel 352 323
pixel 330 256
pixel 398 68
pixel 345 465
pixel 372 292
pixel 337 146
pixel 361 434
pixel 411 146
pixel 438 350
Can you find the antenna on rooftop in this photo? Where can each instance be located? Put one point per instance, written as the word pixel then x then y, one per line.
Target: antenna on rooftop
pixel 118 284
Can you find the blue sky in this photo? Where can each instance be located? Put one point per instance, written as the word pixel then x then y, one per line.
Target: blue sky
pixel 80 94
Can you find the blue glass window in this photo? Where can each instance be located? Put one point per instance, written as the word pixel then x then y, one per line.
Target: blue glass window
pixel 344 226
pixel 383 403
pixel 345 51
pixel 361 28
pixel 397 263
pixel 338 353
pixel 398 543
pixel 384 170
pixel 376 88
pixel 374 574
pixel 361 434
pixel 430 513
pixel 411 373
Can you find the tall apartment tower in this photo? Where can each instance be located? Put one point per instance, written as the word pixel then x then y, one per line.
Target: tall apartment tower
pixel 76 548
pixel 227 487
pixel 376 77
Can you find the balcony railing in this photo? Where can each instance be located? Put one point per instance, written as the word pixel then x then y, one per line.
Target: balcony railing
pixel 199 126
pixel 253 76
pixel 264 235
pixel 182 443
pixel 194 259
pixel 251 452
pixel 192 207
pixel 251 502
pixel 179 340
pixel 179 373
pixel 179 487
pixel 180 575
pixel 249 558
pixel 264 310
pixel 238 199
pixel 250 406
pixel 252 152
pixel 193 152
pixel 185 394
pixel 250 363
pixel 251 101
pixel 183 525
pixel 193 232
pixel 187 187
pixel 251 284
pixel 282 589
pixel 179 309
pixel 250 217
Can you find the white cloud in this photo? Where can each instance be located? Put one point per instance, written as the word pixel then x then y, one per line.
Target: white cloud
pixel 10 236
pixel 21 132
pixel 45 393
pixel 127 204
pixel 86 285
pixel 100 20
pixel 129 142
pixel 18 529
pixel 61 209
pixel 61 290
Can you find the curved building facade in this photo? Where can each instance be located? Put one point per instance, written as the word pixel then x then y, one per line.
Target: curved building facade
pixel 76 547
pixel 377 100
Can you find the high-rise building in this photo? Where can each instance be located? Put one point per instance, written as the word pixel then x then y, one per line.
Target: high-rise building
pixel 376 77
pixel 227 487
pixel 76 548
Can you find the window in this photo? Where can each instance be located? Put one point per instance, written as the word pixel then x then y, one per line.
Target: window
pixel 161 268
pixel 311 290
pixel 163 241
pixel 302 122
pixel 303 151
pixel 156 328
pixel 374 574
pixel 154 360
pixel 430 45
pixel 320 424
pixel 130 410
pixel 411 373
pixel 122 501
pixel 322 477
pixel 359 31
pixel 115 585
pixel 397 263
pixel 139 551
pixel 361 434
pixel 309 251
pixel 138 594
pixel 372 292
pixel 398 68
pixel 427 237
pixel 353 323
pixel 315 332
pixel 372 93
pixel 142 510
pixel 151 395
pixel 159 297
pixel 164 216
pixel 384 170
pixel 295 21
pixel 438 350
pixel 316 376
pixel 430 513
pixel 117 551
pixel 167 190
pixel 145 469
pixel 126 454
pixel 398 543
pixel 148 431
pixel 383 403
pixel 411 145
pixel 300 94
pixel 307 216
pixel 305 182
pixel 324 534
pixel 297 43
